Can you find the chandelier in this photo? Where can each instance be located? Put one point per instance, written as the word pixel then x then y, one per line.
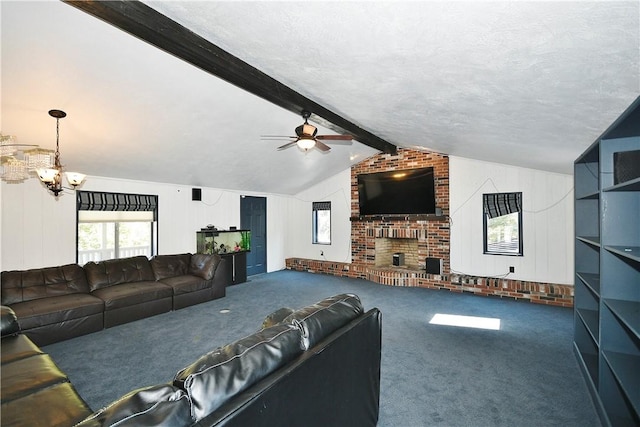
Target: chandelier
pixel 19 161
pixel 52 176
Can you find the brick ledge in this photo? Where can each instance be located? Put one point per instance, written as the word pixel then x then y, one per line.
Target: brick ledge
pixel 534 292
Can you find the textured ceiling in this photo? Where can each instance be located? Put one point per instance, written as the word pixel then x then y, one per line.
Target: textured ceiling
pixel 530 84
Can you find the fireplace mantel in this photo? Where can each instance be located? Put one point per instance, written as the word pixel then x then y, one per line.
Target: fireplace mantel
pixel 392 218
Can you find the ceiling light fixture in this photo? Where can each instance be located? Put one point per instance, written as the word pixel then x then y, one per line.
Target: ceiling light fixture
pixel 306 143
pixel 306 133
pixel 52 176
pixel 18 162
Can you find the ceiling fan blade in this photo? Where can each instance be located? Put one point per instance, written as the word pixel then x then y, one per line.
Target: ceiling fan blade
pixel 322 146
pixel 287 145
pixel 335 137
pixel 276 137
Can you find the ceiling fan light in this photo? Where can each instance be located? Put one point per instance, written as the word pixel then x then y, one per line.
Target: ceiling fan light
pixel 306 143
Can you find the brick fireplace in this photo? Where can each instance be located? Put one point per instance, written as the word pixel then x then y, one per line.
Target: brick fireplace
pixel 374 240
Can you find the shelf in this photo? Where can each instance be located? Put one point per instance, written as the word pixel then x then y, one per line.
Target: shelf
pixel 626 372
pixel 589 196
pixel 590 240
pixel 630 252
pixel 590 318
pixel 592 280
pixel 590 362
pixel 628 312
pixel 631 185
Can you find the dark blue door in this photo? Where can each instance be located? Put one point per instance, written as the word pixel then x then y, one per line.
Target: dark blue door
pixel 253 216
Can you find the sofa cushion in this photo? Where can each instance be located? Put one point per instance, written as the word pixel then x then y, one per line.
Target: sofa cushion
pixel 56 309
pixel 61 406
pixel 135 293
pixel 25 376
pixel 8 321
pixel 203 265
pixel 165 266
pixel 117 271
pixel 276 317
pixel 17 347
pixel 26 285
pixel 228 370
pixel 320 319
pixel 159 405
pixel 185 284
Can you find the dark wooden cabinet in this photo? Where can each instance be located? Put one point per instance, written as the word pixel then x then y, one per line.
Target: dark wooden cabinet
pixel 238 270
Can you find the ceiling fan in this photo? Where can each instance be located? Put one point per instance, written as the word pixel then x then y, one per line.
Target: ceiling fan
pixel 307 137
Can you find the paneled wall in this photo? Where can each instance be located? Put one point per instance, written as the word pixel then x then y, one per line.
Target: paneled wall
pixel 547 217
pixel 40 231
pixel 543 274
pixel 299 220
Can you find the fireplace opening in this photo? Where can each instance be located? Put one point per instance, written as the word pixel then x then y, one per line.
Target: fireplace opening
pixel 388 252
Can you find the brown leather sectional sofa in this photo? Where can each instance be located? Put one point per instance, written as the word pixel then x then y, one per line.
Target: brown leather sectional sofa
pixel 316 366
pixel 57 303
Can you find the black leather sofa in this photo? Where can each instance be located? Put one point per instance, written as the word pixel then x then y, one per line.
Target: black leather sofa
pixel 57 303
pixel 316 366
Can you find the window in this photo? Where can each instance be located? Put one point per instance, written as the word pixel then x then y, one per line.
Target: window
pixel 502 223
pixel 115 225
pixel 322 223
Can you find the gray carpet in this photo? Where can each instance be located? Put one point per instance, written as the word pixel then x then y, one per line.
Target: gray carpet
pixel 524 374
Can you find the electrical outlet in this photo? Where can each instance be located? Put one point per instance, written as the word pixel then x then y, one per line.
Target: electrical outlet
pixel 512 269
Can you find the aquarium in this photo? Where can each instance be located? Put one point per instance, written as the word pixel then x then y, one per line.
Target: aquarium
pixel 223 241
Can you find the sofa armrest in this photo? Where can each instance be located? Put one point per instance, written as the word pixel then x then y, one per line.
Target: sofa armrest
pixel 160 405
pixel 203 265
pixel 8 321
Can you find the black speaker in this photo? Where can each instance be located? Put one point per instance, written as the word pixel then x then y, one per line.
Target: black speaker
pixel 433 265
pixel 398 258
pixel 626 166
pixel 196 194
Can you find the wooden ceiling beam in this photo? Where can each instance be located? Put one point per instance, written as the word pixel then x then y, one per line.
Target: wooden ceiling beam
pixel 147 24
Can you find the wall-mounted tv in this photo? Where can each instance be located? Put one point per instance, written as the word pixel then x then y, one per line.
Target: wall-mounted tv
pixel 398 192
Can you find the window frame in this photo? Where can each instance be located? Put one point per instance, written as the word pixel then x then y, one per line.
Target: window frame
pixel 504 204
pixel 315 208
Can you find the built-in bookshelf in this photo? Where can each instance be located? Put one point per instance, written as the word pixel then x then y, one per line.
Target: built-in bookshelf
pixel 607 273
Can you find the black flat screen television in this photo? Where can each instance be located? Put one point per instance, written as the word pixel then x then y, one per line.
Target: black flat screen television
pixel 399 192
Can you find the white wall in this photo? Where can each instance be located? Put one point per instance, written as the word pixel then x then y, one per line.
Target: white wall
pixel 337 190
pixel 547 217
pixel 39 231
pixel 547 221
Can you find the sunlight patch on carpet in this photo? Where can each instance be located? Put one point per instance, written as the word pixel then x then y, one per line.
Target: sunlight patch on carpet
pixel 466 321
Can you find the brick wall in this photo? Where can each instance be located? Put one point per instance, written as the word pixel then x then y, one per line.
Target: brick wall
pixel 432 236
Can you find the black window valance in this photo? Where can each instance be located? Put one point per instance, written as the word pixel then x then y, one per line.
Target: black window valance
pixel 103 201
pixel 321 206
pixel 500 204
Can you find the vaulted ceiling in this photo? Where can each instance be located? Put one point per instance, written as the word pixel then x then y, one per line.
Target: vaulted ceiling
pixel 530 84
